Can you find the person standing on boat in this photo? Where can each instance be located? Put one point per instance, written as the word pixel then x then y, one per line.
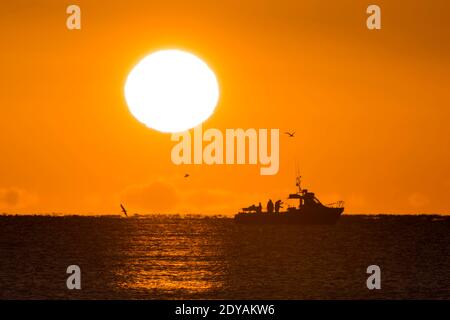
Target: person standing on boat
pixel 270 206
pixel 278 206
pixel 259 208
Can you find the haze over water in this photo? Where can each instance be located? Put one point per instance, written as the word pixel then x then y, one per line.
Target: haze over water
pixel 162 257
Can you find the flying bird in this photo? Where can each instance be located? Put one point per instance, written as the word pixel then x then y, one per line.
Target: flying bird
pixel 186 175
pixel 290 134
pixel 124 210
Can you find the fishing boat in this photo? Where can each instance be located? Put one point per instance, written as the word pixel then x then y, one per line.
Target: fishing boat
pixel 309 211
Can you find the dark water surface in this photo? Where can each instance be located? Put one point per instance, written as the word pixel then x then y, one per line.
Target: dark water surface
pixel 192 258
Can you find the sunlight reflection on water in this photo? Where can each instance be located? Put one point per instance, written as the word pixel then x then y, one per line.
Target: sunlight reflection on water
pixel 174 258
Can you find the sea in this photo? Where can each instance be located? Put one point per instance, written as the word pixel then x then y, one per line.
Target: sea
pixel 197 257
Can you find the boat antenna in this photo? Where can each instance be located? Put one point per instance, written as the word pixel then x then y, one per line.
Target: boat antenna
pixel 298 178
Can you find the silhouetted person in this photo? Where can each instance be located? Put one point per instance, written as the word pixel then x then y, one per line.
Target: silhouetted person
pixel 270 206
pixel 278 206
pixel 259 209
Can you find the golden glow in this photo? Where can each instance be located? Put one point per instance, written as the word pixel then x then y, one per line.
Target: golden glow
pixel 368 106
pixel 171 91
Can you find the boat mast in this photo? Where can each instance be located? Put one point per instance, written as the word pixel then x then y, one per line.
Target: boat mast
pixel 298 183
pixel 298 178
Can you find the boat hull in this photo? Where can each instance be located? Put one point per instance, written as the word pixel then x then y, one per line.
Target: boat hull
pixel 317 216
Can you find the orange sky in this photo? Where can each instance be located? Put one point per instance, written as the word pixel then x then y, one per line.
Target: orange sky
pixel 371 108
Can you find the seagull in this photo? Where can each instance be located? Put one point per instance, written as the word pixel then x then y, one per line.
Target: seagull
pixel 187 175
pixel 290 134
pixel 124 210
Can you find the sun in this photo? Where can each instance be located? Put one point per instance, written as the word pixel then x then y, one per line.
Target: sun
pixel 171 91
